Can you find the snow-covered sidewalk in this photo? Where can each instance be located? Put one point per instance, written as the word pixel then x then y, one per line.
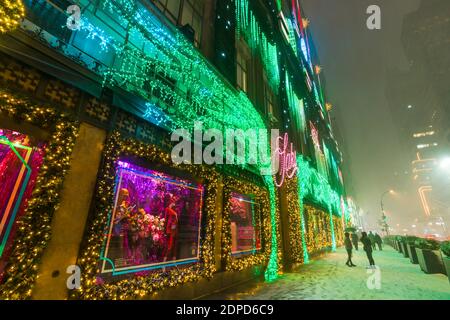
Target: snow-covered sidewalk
pixel 328 278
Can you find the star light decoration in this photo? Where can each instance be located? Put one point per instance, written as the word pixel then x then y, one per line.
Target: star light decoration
pixel 305 22
pixel 11 12
pixel 317 69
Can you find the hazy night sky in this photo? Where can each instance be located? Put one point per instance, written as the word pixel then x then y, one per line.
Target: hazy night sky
pixel 354 61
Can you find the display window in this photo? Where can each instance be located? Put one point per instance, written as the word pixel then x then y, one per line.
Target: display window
pixel 155 223
pixel 152 225
pixel 246 231
pixel 20 160
pixel 245 225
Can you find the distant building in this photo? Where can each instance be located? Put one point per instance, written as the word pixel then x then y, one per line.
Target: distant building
pixel 419 100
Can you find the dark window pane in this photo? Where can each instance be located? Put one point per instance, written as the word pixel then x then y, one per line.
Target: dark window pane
pixel 173 6
pixel 187 14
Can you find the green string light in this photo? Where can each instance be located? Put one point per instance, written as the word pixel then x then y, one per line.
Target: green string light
pixel 165 69
pixel 296 107
pixel 315 186
pixel 180 86
pixel 249 28
pixel 271 273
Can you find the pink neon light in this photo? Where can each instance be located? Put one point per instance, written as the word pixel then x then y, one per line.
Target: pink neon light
pixel 287 159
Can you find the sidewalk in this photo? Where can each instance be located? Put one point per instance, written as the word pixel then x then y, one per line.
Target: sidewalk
pixel 328 278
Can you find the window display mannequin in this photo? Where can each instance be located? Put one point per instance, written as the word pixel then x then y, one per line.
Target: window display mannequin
pixel 143 234
pixel 122 222
pixel 171 218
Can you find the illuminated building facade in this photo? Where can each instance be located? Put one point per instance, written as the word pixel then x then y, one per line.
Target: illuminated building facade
pixel 97 89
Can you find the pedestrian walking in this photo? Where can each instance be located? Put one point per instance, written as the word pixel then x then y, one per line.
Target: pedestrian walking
pixel 355 240
pixel 349 248
pixel 367 246
pixel 379 241
pixel 372 240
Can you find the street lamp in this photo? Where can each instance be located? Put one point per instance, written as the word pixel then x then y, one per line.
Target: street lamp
pixel 383 221
pixel 445 163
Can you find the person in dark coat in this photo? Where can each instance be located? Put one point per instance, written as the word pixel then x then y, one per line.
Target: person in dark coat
pixel 378 241
pixel 367 245
pixel 372 240
pixel 355 240
pixel 348 247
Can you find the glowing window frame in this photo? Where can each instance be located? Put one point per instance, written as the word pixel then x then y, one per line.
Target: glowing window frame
pixel 249 199
pixel 17 203
pixel 154 266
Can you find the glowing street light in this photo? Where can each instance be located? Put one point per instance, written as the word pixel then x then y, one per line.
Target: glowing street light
pixel 445 163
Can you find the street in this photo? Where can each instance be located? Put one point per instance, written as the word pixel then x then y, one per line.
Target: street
pixel 328 278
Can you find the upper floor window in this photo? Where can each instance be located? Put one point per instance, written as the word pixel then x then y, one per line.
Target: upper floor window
pixel 269 99
pixel 170 8
pixel 193 16
pixel 242 64
pixel 184 12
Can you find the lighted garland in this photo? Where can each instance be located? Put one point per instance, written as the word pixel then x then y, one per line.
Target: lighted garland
pixel 11 12
pixel 296 253
pixel 279 5
pixel 331 227
pixel 309 184
pixel 248 26
pixel 197 93
pixel 315 186
pixel 261 197
pixel 302 219
pixel 275 265
pixel 317 237
pixel 339 231
pixel 292 36
pixel 34 227
pixel 296 107
pixel 321 228
pixel 141 286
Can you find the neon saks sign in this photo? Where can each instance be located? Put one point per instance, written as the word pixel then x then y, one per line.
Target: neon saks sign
pixel 287 159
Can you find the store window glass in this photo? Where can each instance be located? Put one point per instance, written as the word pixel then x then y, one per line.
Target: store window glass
pixel 245 225
pixel 268 98
pixel 184 12
pixel 21 158
pixel 155 222
pixel 170 8
pixel 193 16
pixel 242 62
